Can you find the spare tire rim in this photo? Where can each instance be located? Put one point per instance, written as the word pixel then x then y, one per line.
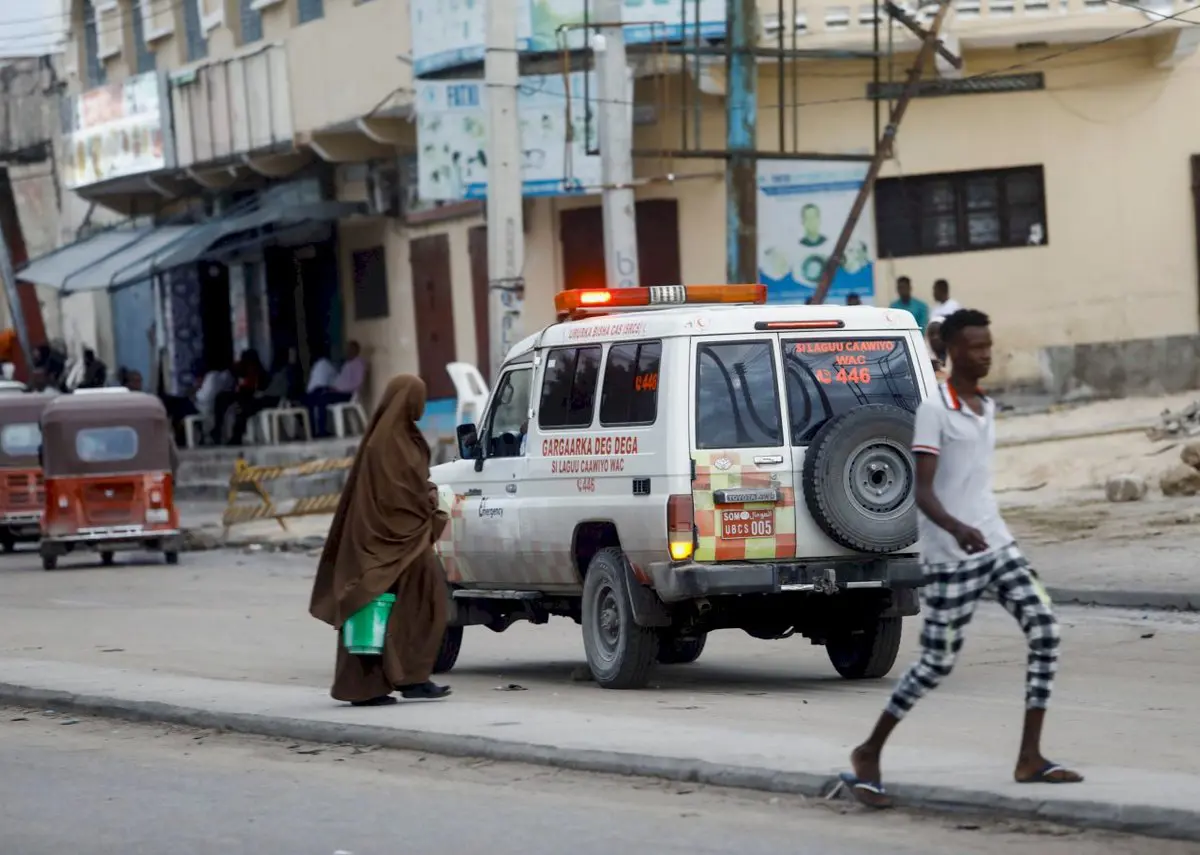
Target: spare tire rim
pixel 879 478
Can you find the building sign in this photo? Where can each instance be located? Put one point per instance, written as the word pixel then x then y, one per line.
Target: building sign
pixel 802 206
pixel 452 143
pixel 558 24
pixel 117 130
pixel 450 33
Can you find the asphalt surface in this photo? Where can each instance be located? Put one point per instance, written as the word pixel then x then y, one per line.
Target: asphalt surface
pixel 95 787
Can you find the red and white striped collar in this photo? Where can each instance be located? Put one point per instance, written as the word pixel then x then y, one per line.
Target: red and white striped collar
pixel 953 402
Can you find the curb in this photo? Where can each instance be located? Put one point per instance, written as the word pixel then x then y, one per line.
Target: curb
pixel 1178 601
pixel 1144 820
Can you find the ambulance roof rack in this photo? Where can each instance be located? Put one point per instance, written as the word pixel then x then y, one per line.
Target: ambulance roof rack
pixel 581 303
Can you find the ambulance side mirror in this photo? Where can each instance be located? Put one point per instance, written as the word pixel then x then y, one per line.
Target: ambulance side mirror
pixel 468 441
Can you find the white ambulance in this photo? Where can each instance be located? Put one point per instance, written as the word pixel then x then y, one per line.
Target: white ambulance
pixel 664 462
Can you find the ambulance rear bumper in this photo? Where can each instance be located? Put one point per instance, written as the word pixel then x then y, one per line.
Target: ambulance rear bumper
pixel 679 581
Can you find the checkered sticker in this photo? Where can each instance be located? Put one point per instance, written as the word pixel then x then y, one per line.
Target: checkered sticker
pixel 723 470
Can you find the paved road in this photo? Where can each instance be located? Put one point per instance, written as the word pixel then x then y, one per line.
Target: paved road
pixel 1126 696
pixel 92 787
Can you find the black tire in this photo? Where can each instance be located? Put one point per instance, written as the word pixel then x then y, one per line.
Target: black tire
pixel 8 545
pixel 107 559
pixel 619 652
pixel 448 653
pixel 859 479
pixel 172 558
pixel 49 562
pixel 673 650
pixel 868 654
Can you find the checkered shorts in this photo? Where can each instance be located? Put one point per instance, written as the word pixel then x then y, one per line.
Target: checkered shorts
pixel 950 596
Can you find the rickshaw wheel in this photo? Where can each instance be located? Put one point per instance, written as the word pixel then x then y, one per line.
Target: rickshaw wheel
pixel 9 545
pixel 172 557
pixel 49 562
pixel 107 559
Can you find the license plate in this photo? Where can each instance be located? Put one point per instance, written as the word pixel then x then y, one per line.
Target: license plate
pixel 156 515
pixel 742 524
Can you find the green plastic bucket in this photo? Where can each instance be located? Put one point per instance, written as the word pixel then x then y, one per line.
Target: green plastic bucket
pixel 364 632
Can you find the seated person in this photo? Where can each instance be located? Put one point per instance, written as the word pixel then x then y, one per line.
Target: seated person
pixel 275 392
pixel 344 387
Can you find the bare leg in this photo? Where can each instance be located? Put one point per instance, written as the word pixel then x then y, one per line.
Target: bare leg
pixel 865 758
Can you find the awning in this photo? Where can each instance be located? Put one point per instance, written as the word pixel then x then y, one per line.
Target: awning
pixel 123 256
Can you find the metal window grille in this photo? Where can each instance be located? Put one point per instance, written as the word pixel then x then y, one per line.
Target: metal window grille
pixel 91 46
pixel 310 10
pixel 197 42
pixel 145 58
pixel 252 28
pixel 966 86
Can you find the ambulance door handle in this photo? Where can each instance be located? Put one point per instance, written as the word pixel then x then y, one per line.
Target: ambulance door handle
pixel 511 488
pixel 768 459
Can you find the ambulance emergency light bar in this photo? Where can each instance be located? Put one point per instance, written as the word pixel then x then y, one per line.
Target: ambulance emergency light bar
pixel 580 302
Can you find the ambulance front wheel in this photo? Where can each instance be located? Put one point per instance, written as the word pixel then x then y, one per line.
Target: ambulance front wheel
pixel 619 652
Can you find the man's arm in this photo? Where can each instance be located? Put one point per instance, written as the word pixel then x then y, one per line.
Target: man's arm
pixel 926 446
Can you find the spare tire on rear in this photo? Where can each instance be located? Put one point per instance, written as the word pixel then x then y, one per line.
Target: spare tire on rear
pixel 859 479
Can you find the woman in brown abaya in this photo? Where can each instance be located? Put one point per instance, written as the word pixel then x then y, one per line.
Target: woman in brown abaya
pixel 381 541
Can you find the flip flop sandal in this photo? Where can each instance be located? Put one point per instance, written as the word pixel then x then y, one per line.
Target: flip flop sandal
pixel 1044 776
pixel 861 791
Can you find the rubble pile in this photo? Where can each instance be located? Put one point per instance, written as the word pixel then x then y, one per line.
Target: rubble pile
pixel 1180 424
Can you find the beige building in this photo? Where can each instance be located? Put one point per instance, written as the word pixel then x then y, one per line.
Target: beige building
pixel 1093 143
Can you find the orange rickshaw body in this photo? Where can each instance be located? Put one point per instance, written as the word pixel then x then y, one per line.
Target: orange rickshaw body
pixel 108 460
pixel 21 493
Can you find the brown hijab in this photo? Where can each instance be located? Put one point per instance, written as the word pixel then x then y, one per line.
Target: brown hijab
pixel 384 521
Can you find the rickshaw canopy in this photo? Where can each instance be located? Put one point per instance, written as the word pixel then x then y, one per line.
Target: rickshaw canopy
pixel 20 434
pixel 105 433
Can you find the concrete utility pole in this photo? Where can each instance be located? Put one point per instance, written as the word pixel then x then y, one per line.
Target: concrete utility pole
pixel 505 213
pixel 616 148
pixel 741 116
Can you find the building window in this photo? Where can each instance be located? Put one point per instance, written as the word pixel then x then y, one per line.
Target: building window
pixel 91 46
pixel 197 43
pixel 961 212
pixel 370 284
pixel 144 56
pixel 252 29
pixel 310 10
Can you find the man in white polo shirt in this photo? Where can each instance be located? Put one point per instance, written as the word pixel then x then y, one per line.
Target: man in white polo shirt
pixel 966 550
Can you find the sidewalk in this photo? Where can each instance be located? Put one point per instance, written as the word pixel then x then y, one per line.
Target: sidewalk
pixel 223 640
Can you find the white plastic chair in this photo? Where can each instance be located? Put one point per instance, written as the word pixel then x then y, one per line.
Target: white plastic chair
pixel 192 425
pixel 471 390
pixel 275 422
pixel 338 412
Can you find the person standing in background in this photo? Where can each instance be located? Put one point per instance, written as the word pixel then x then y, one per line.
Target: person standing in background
pixel 909 303
pixel 944 305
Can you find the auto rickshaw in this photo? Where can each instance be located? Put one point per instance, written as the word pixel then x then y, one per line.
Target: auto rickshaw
pixel 21 493
pixel 109 461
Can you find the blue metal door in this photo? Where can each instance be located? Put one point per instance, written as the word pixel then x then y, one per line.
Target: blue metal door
pixel 133 329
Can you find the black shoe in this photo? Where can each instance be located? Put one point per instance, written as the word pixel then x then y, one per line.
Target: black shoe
pixel 424 691
pixel 381 701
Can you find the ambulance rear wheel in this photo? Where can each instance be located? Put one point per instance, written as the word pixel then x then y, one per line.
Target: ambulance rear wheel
pixel 619 652
pixel 447 655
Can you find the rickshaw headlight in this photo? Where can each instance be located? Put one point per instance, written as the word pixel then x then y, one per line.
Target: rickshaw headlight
pixel 155 497
pixel 62 502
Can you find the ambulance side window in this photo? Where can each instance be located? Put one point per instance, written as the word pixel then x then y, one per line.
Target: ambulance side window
pixel 569 387
pixel 507 422
pixel 630 395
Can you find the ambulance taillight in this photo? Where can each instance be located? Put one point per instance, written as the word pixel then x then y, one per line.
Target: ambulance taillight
pixel 681 529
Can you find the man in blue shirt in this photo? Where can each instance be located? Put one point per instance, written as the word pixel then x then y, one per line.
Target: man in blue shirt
pixel 910 304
